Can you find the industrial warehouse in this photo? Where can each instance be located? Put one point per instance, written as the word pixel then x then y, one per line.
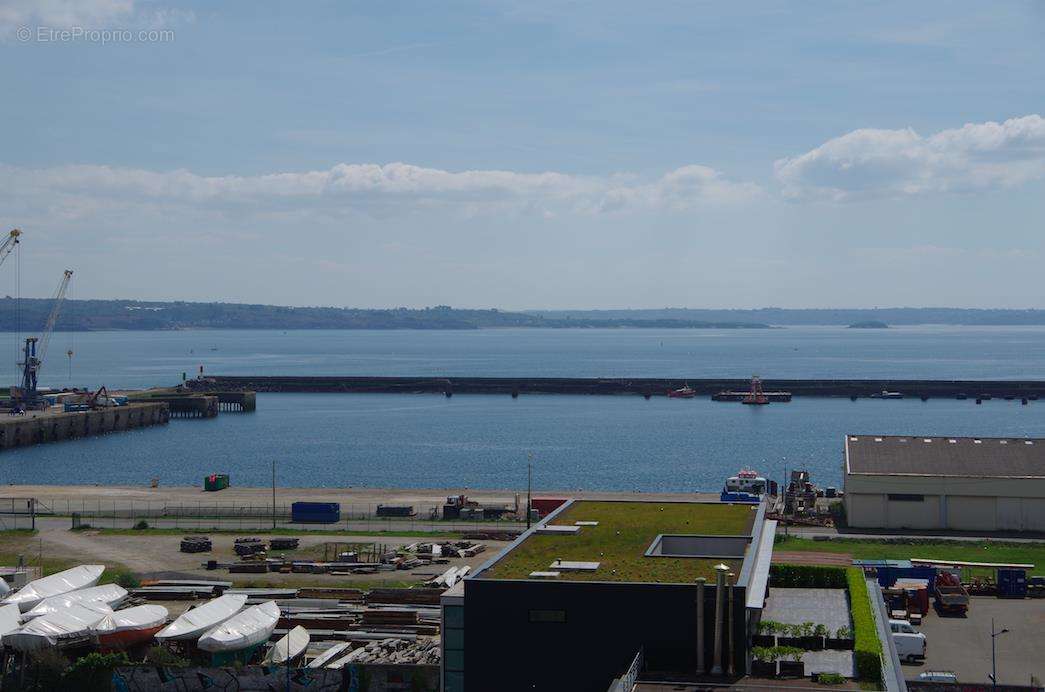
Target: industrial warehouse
pixel 599 585
pixel 954 483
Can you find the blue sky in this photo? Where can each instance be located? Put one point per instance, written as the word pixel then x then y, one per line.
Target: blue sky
pixel 527 154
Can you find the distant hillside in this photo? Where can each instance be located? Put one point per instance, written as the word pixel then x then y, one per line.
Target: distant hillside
pixel 806 316
pixel 30 314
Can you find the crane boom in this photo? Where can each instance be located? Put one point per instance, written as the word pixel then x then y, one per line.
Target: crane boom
pixel 34 357
pixel 52 319
pixel 9 244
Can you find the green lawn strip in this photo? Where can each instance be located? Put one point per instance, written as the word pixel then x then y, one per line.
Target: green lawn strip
pixel 927 549
pixel 868 648
pixel 619 542
pixel 195 530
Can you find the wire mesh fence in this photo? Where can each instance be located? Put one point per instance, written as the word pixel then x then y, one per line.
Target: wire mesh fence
pixel 127 514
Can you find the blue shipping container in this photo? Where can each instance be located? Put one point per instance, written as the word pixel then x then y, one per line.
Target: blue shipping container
pixel 1012 583
pixel 315 512
pixel 887 576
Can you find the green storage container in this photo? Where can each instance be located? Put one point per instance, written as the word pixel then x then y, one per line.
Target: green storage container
pixel 216 481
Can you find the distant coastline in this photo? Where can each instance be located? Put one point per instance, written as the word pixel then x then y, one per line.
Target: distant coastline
pixel 28 315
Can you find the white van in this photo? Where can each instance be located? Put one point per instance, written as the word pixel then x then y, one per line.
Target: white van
pixel 910 643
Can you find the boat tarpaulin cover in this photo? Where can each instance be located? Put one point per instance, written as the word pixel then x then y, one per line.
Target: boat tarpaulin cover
pixel 195 622
pixel 55 585
pixel 65 626
pixel 9 619
pixel 289 646
pixel 141 617
pixel 247 628
pixel 111 595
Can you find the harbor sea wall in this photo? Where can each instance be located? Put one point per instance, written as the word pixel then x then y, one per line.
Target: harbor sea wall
pixel 972 389
pixel 46 426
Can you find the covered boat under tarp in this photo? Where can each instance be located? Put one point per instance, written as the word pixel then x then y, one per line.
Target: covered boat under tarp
pixel 9 620
pixel 129 627
pixel 66 627
pixel 111 595
pixel 68 580
pixel 192 623
pixel 246 629
pixel 289 647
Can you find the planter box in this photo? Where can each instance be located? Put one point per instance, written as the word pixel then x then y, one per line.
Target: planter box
pixel 792 669
pixel 763 669
pixel 763 640
pixel 812 643
pixel 791 641
pixel 840 644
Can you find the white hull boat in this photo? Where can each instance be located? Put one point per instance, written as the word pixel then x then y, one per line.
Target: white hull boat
pixel 127 628
pixel 289 647
pixel 67 627
pixel 195 622
pixel 110 595
pixel 30 595
pixel 247 628
pixel 9 620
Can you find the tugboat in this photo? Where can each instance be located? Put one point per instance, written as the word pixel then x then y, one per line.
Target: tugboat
pixel 746 486
pixel 684 392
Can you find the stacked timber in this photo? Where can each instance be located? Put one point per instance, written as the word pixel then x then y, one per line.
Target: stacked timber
pixel 283 543
pixel 245 547
pixel 394 651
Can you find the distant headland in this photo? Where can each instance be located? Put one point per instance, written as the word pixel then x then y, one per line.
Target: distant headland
pixel 29 315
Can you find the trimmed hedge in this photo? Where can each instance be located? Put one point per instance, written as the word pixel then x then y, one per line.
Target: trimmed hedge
pixel 867 650
pixel 807 577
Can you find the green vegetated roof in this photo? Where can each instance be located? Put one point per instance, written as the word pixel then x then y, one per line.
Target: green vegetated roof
pixel 619 542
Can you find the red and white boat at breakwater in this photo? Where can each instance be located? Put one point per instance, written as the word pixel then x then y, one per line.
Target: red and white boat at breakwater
pixel 685 392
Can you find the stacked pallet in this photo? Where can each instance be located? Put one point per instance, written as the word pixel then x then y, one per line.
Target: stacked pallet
pixel 283 543
pixel 196 544
pixel 245 547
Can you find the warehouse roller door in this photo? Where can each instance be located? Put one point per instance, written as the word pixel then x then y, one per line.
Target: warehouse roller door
pixel 911 513
pixel 972 513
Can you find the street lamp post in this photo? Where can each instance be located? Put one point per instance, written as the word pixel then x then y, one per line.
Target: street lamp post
pixel 994 661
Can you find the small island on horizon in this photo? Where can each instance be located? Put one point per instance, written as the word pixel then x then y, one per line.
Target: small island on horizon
pixel 869 324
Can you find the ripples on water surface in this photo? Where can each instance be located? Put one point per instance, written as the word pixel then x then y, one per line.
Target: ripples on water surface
pixel 613 443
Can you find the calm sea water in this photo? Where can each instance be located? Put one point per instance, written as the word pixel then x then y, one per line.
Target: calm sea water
pixel 611 443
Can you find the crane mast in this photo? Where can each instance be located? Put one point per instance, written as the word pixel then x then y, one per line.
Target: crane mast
pixel 34 354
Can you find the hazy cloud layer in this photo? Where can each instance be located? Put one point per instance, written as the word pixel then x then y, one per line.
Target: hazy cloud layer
pixel 872 163
pixel 388 189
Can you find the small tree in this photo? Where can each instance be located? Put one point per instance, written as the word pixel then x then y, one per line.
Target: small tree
pixel 844 632
pixel 805 629
pixel 820 631
pixel 94 671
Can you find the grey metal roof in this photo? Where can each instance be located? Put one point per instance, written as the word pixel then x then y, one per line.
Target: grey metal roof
pixel 980 457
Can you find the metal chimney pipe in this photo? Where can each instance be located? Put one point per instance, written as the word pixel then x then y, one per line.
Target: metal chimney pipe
pixel 732 626
pixel 720 580
pixel 700 625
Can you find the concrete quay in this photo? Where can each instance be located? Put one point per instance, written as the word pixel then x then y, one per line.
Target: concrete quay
pixel 37 427
pixel 971 389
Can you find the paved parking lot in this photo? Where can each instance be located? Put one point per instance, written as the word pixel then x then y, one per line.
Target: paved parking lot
pixel 963 645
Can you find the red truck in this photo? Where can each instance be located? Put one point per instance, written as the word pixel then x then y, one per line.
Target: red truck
pixel 951 596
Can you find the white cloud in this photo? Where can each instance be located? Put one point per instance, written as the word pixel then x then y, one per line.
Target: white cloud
pixel 86 14
pixel 870 163
pixel 389 189
pixel 63 13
